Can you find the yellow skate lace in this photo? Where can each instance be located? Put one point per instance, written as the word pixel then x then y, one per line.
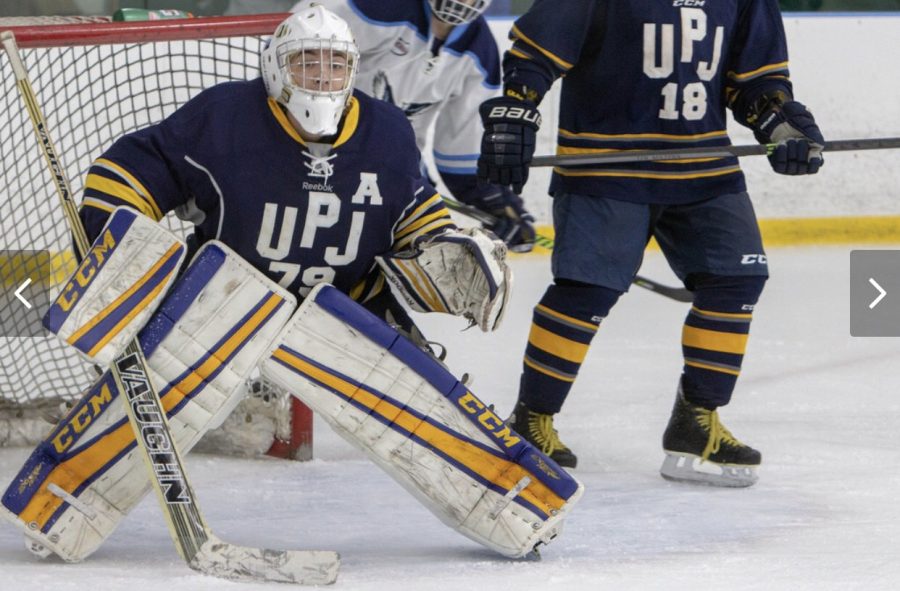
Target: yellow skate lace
pixel 709 420
pixel 541 428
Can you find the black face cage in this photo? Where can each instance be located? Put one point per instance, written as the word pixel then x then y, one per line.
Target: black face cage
pixel 458 12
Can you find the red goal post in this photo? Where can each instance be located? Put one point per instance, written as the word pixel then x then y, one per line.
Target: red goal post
pixel 95 80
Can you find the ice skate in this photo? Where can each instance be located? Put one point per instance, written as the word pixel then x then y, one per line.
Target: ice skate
pixel 700 449
pixel 537 429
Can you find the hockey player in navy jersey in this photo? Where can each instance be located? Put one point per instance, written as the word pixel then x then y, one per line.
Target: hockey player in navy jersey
pixel 438 61
pixel 649 74
pixel 305 196
pixel 306 181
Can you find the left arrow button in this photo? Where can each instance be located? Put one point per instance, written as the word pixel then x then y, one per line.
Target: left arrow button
pixel 20 297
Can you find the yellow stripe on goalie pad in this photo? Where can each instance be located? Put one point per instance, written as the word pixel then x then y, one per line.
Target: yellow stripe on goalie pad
pixel 151 296
pixel 72 473
pixel 500 472
pixel 197 378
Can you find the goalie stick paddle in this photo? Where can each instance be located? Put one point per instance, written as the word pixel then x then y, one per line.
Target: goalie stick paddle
pixel 679 294
pixel 885 143
pixel 199 547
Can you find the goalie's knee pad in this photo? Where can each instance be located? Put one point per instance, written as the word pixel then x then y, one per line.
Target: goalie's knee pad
pixel 421 425
pixel 201 345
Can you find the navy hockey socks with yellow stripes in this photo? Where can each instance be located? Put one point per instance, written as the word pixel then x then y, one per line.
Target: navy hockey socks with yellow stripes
pixel 563 325
pixel 698 447
pixel 715 335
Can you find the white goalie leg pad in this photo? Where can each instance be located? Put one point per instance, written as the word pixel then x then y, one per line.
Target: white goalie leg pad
pixel 421 425
pixel 220 318
pixel 117 286
pixel 460 272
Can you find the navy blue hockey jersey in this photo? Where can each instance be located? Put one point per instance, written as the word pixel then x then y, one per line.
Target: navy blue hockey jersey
pixel 230 161
pixel 648 74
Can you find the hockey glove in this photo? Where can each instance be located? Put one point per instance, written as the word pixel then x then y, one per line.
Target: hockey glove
pixel 510 125
pixel 800 143
pixel 512 223
pixel 460 272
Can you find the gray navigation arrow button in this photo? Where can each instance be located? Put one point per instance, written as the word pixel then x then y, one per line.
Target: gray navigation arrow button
pixel 20 297
pixel 881 293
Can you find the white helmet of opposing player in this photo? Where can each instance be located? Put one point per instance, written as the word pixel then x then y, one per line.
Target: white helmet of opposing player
pixel 309 66
pixel 458 12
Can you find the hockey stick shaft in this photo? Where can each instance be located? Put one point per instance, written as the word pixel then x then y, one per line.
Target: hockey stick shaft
pixel 678 294
pixel 201 549
pixel 886 143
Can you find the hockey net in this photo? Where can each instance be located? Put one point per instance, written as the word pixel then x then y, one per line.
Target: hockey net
pixel 95 81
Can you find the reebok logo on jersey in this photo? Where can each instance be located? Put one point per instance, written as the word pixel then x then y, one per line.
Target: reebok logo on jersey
pixel 503 112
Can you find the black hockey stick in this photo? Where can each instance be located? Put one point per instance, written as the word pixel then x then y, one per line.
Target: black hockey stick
pixel 678 294
pixel 885 143
pixel 199 547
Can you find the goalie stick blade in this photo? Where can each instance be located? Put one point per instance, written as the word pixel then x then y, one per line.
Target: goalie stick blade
pixel 240 563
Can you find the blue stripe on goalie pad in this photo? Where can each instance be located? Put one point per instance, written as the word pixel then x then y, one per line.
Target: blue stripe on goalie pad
pixel 466 454
pixel 186 290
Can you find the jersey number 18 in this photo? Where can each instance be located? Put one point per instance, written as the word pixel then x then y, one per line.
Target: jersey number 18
pixel 693 95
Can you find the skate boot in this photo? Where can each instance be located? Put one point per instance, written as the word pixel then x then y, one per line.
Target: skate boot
pixel 537 429
pixel 700 449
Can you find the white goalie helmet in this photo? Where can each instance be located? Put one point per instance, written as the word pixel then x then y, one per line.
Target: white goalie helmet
pixel 458 12
pixel 309 66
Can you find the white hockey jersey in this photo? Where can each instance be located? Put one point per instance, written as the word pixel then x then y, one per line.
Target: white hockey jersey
pixel 397 65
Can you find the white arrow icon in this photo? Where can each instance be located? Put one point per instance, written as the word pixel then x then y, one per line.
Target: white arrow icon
pixel 881 293
pixel 18 293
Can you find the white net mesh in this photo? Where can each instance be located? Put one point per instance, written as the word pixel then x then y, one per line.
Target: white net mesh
pixel 90 95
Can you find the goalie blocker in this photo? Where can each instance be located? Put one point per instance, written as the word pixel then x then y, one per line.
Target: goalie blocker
pixel 421 425
pixel 117 286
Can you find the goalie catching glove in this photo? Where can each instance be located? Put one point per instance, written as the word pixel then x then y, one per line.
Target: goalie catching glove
pixel 460 272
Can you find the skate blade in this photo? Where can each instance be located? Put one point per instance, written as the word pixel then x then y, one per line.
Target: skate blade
pixel 690 468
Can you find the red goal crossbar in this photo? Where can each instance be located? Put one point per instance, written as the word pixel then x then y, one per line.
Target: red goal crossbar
pixel 80 33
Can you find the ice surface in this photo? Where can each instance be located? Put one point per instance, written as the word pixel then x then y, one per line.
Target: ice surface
pixel 824 409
